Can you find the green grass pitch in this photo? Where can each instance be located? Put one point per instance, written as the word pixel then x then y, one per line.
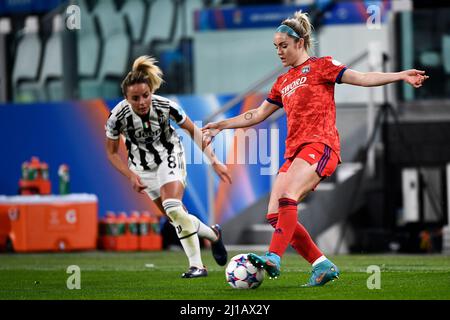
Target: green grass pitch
pixel 156 276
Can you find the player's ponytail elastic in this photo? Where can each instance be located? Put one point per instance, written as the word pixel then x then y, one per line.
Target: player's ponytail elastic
pixel 144 70
pixel 302 26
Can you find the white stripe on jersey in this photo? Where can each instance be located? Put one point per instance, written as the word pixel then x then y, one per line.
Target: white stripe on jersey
pixel 149 139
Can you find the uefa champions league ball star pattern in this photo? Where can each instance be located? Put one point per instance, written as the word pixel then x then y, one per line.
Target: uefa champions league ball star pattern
pixel 241 274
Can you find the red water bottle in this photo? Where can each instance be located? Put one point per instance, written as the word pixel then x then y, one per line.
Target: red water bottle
pixel 145 240
pixel 33 168
pixel 108 231
pixel 133 231
pixel 122 235
pixel 44 182
pixel 155 233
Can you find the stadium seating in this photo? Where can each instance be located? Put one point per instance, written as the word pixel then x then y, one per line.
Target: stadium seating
pixel 446 52
pixel 51 77
pixel 135 13
pixel 48 85
pixel 89 46
pixel 26 66
pixel 5 25
pixel 111 37
pixel 159 26
pixel 5 35
pixel 446 59
pixel 115 54
pixel 190 7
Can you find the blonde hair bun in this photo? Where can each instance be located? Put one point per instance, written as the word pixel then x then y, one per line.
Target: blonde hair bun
pixel 302 26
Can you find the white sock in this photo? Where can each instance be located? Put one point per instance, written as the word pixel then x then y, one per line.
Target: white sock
pixel 186 230
pixel 203 230
pixel 191 246
pixel 319 260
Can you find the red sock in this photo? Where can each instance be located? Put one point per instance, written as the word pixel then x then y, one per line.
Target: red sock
pixel 301 240
pixel 285 227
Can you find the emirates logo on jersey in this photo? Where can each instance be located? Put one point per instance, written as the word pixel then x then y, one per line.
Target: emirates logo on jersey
pixel 291 87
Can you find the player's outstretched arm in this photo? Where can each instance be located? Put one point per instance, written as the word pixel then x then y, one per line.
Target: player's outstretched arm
pixel 112 148
pixel 372 79
pixel 244 120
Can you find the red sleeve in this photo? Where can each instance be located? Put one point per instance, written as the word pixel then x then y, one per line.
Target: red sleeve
pixel 332 70
pixel 274 96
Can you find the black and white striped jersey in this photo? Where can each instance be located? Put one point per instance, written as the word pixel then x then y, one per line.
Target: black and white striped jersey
pixel 148 139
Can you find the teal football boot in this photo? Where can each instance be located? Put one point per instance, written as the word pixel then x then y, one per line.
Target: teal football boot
pixel 322 273
pixel 269 262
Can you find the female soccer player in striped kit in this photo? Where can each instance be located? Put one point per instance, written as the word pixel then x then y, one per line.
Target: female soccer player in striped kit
pixel 156 163
pixel 306 92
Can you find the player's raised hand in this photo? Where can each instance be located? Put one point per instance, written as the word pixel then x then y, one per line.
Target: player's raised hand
pixel 415 77
pixel 222 171
pixel 137 184
pixel 210 131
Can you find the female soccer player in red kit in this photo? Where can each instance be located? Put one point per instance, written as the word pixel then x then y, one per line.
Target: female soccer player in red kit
pixel 306 92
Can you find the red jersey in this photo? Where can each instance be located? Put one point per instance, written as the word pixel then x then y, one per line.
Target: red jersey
pixel 306 93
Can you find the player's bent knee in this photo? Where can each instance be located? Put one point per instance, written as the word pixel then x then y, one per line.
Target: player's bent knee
pixel 180 219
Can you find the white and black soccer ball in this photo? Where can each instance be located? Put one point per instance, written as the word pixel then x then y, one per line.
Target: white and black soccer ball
pixel 241 274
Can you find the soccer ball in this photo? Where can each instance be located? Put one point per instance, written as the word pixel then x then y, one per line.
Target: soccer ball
pixel 241 274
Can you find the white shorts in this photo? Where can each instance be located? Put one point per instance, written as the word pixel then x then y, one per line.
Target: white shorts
pixel 172 168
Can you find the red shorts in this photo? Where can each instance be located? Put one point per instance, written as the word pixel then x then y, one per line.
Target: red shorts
pixel 313 153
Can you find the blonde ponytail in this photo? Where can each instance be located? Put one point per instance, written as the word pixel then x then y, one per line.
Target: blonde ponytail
pixel 302 26
pixel 144 70
pixel 147 65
